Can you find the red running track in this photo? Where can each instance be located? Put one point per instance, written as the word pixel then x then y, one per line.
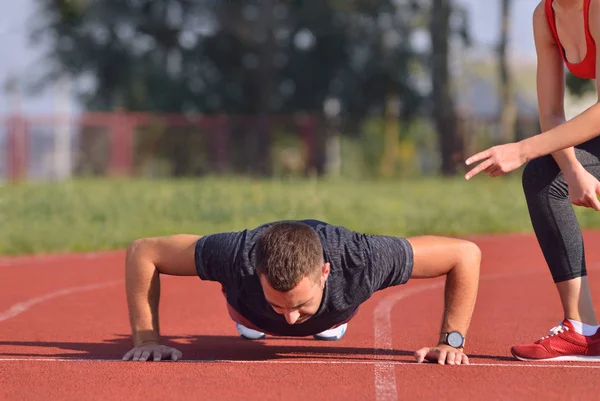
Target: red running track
pixel 64 328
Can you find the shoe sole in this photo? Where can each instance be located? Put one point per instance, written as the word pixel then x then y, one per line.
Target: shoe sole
pixel 252 338
pixel 332 338
pixel 567 358
pixel 246 337
pixel 327 338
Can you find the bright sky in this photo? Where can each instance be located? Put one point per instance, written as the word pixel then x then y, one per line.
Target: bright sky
pixel 17 57
pixel 485 23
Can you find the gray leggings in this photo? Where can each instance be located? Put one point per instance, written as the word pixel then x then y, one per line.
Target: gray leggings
pixel 552 215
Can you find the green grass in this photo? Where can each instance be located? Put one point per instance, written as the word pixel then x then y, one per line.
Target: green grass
pixel 103 214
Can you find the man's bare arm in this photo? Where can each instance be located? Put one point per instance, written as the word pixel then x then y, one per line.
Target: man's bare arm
pixel 459 261
pixel 146 259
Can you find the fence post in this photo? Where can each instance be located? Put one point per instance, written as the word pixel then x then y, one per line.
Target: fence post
pixel 17 146
pixel 121 145
pixel 309 136
pixel 63 163
pixel 221 143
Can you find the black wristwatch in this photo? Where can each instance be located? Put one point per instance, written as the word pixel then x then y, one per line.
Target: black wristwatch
pixel 453 339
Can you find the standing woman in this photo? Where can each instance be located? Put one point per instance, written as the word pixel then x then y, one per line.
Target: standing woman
pixel 567 33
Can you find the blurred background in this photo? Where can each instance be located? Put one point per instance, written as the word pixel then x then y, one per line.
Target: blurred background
pixel 344 90
pixel 190 88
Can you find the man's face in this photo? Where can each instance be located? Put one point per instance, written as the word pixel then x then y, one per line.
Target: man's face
pixel 301 302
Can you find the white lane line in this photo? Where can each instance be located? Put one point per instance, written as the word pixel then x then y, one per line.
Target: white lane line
pixel 21 307
pixel 536 365
pixel 385 376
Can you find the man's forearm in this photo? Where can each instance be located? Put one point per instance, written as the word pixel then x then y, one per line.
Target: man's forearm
pixel 459 261
pixel 143 294
pixel 462 284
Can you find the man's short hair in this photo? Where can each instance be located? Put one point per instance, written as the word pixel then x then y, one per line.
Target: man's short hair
pixel 288 251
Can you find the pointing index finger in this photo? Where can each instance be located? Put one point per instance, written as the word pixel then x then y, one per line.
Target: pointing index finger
pixel 477 157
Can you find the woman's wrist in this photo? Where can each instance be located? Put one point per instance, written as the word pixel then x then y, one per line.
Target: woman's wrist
pixel 572 169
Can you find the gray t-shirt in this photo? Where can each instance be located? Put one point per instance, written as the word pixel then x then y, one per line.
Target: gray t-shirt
pixel 360 265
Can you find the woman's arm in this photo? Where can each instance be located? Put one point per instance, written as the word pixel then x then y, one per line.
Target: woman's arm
pixel 550 79
pixel 555 137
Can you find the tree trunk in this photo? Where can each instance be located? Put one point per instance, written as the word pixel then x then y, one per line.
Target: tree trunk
pixel 389 160
pixel 265 87
pixel 508 108
pixel 451 143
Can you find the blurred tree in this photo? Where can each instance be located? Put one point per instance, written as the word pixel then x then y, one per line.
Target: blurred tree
pixel 127 52
pixel 442 32
pixel 239 58
pixel 508 106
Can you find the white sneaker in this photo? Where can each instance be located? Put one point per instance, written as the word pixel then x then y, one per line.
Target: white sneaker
pixel 249 334
pixel 332 334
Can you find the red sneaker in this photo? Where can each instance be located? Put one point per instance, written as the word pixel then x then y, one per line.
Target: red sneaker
pixel 563 343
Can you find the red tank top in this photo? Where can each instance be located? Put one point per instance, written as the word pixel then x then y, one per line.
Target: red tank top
pixel 587 67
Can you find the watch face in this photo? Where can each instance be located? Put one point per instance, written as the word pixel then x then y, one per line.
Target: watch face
pixel 455 339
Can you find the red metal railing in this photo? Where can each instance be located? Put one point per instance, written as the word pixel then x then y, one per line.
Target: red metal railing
pixel 122 127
